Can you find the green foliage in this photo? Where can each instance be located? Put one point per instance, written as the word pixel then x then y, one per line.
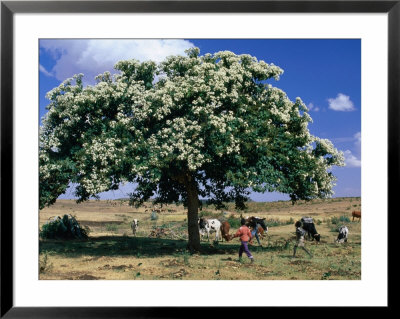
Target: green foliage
pixel 233 221
pixel 66 227
pixel 334 220
pixel 277 222
pixel 153 215
pixel 344 219
pixel 337 220
pixel 326 275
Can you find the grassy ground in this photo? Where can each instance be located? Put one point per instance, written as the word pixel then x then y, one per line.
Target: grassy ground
pixel 111 252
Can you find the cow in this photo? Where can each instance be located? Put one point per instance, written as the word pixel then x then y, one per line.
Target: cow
pixel 261 232
pixel 343 233
pixel 356 214
pixel 253 220
pixel 134 226
pixel 309 227
pixel 225 227
pixel 207 226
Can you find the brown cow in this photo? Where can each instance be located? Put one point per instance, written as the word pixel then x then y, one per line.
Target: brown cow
pixel 261 231
pixel 225 227
pixel 356 214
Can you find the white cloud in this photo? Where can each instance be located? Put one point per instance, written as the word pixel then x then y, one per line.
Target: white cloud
pixel 312 107
pixel 357 143
pixel 341 103
pixel 44 71
pixel 92 57
pixel 351 160
pixel 357 137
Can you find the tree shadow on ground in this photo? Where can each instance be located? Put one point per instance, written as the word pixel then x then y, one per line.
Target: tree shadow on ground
pixel 113 246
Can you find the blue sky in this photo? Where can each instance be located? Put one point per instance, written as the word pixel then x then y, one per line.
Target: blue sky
pixel 324 73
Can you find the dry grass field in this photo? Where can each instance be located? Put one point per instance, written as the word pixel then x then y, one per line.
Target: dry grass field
pixel 113 253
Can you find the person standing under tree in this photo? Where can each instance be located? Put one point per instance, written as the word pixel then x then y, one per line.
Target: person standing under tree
pixel 300 233
pixel 245 235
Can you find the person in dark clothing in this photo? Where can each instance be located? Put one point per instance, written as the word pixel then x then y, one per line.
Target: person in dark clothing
pixel 254 229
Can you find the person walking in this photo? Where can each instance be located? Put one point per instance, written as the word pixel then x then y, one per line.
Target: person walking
pixel 254 229
pixel 245 235
pixel 300 233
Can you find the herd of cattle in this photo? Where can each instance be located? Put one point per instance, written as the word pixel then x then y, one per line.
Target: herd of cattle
pixel 221 229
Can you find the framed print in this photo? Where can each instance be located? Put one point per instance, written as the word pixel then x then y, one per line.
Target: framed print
pixel 219 123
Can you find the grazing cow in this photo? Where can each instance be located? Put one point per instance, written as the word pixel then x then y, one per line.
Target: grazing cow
pixel 207 226
pixel 257 226
pixel 309 227
pixel 225 231
pixel 134 226
pixel 253 220
pixel 343 233
pixel 261 232
pixel 356 214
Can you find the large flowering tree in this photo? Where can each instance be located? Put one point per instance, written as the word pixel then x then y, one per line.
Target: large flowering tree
pixel 192 126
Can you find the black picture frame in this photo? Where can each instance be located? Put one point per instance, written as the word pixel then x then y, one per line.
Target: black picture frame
pixel 9 8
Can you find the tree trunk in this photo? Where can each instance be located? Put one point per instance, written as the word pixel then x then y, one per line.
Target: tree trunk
pixel 193 208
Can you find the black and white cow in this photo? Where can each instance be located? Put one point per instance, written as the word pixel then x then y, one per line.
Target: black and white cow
pixel 207 226
pixel 134 226
pixel 343 234
pixel 309 227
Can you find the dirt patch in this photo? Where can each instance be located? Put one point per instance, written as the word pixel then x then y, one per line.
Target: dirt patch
pixel 119 267
pixel 177 274
pixel 172 263
pixel 92 223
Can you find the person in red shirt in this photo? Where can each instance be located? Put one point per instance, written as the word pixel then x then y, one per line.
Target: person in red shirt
pixel 245 235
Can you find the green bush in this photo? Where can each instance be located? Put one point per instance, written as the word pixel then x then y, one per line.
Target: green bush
pixel 234 221
pixel 153 215
pixel 334 220
pixel 344 219
pixel 66 227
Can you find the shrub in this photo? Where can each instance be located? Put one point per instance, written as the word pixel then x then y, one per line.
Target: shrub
pixel 66 227
pixel 344 219
pixel 334 220
pixel 234 221
pixel 153 215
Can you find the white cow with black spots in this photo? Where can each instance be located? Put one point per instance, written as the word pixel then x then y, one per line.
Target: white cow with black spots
pixel 134 226
pixel 343 234
pixel 207 226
